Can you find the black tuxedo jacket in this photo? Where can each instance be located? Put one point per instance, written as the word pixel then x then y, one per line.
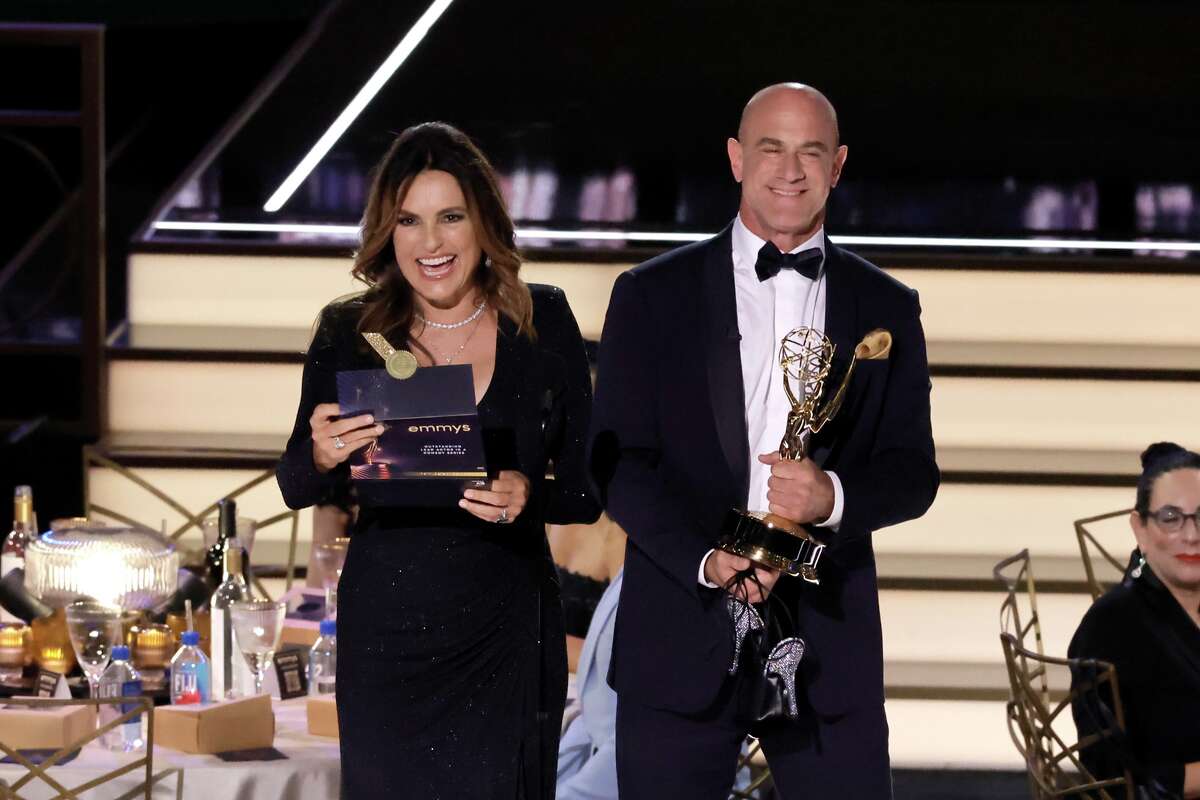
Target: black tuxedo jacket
pixel 670 456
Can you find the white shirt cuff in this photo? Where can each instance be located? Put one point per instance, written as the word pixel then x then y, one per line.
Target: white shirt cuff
pixel 839 504
pixel 700 575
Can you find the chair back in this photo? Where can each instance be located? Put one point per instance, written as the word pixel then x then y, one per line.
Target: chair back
pixel 1035 718
pixel 1019 615
pixel 1089 542
pixel 1052 760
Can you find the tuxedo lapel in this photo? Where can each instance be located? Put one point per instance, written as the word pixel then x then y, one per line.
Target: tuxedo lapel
pixel 725 387
pixel 841 308
pixel 841 322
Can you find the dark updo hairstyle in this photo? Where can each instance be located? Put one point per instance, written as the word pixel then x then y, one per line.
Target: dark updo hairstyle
pixel 1157 460
pixel 388 302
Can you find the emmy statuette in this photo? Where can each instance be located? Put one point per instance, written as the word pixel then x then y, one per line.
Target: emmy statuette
pixel 805 357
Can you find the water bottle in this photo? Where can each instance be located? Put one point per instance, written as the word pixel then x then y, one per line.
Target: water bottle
pixel 191 680
pixel 322 660
pixel 121 680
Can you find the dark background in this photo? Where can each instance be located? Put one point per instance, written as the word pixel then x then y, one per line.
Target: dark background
pixel 953 111
pixel 960 117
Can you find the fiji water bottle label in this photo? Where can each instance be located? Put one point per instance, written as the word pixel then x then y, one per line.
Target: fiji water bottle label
pixel 131 689
pixel 189 685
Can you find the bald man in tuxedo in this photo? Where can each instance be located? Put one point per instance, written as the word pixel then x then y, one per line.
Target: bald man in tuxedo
pixel 689 412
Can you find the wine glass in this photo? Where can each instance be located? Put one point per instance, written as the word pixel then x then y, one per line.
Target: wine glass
pixel 94 629
pixel 257 627
pixel 331 557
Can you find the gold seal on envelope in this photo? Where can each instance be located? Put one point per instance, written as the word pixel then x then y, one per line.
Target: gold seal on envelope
pixel 400 364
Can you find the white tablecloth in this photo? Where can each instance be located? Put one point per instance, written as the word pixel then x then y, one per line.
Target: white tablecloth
pixel 312 770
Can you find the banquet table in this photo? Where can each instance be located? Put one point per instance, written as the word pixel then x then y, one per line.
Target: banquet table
pixel 312 769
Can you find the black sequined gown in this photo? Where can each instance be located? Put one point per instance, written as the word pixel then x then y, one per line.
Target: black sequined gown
pixel 439 668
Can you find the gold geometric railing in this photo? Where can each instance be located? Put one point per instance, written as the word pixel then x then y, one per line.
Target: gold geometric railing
pixel 91 457
pixel 145 705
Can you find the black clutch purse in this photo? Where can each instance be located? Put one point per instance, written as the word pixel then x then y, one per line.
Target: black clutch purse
pixel 765 658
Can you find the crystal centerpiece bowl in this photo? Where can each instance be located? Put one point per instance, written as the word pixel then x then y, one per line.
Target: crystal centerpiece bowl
pixel 134 568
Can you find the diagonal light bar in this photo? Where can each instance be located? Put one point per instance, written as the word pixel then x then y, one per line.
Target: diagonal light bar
pixel 544 234
pixel 361 100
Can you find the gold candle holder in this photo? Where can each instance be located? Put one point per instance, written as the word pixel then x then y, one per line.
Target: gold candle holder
pixel 52 645
pixel 153 646
pixel 16 650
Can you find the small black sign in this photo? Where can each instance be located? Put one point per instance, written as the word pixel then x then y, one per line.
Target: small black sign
pixel 47 683
pixel 289 669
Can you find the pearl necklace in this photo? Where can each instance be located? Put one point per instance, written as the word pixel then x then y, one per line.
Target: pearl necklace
pixel 449 326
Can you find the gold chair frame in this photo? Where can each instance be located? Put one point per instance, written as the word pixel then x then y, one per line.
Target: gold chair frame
pixel 760 772
pixel 1015 573
pixel 1052 765
pixel 91 457
pixel 145 705
pixel 1087 541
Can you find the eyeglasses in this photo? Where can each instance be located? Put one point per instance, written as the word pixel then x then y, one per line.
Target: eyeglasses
pixel 1171 519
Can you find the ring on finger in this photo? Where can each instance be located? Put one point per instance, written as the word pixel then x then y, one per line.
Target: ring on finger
pixel 338 444
pixel 503 518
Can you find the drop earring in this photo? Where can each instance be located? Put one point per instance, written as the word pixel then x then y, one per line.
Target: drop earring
pixel 1136 572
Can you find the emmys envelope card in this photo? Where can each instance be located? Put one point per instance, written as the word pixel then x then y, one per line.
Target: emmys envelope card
pixel 431 446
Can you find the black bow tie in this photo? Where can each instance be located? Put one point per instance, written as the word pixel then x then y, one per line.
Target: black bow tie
pixel 770 261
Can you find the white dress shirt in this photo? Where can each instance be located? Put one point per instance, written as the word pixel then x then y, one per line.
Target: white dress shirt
pixel 767 311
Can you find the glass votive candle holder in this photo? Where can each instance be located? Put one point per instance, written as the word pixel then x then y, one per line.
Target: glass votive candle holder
pixel 16 650
pixel 52 644
pixel 153 646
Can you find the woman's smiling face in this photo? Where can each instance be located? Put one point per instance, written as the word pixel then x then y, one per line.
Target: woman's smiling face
pixel 435 242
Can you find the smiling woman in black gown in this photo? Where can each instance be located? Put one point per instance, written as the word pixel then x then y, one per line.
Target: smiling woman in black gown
pixel 440 674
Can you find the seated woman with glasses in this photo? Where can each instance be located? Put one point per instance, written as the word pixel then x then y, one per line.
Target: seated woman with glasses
pixel 1148 627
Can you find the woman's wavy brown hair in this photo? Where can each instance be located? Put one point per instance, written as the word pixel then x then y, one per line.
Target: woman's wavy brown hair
pixel 388 303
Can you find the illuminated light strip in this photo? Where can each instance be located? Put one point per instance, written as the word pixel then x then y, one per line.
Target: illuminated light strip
pixel 259 227
pixel 534 234
pixel 1027 244
pixel 365 95
pixel 610 236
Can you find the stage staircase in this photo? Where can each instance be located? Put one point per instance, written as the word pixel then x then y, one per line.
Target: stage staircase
pixel 1047 383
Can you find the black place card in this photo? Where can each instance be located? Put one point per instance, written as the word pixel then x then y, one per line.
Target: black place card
pixel 38 755
pixel 252 754
pixel 47 683
pixel 431 447
pixel 289 669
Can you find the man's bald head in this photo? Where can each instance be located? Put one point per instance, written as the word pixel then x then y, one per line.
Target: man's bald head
pixel 782 95
pixel 787 157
